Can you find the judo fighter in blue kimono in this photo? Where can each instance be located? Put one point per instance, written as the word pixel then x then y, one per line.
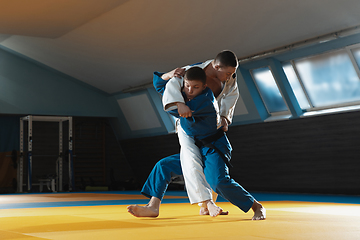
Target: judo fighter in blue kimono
pixel 203 127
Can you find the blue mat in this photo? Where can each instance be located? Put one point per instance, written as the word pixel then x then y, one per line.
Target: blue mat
pixel 261 197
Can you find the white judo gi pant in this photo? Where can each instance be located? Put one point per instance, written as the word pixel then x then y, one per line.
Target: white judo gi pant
pixel 197 187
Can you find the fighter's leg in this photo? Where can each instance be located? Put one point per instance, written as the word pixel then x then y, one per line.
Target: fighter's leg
pixel 217 174
pixel 156 185
pixel 160 176
pixel 192 167
pixel 204 208
pixel 197 188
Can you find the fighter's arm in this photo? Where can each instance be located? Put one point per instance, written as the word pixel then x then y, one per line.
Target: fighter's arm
pixel 204 114
pixel 159 83
pixel 227 105
pixel 177 103
pixel 177 72
pixel 173 98
pixel 181 110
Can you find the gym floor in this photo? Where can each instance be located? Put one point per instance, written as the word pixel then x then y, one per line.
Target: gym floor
pixel 103 215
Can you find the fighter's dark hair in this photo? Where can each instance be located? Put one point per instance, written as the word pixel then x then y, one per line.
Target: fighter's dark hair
pixel 195 73
pixel 227 58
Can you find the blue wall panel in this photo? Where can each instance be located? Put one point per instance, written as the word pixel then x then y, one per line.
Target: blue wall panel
pixel 29 88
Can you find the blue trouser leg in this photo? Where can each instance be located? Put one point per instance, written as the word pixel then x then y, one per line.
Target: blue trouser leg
pixel 217 175
pixel 159 178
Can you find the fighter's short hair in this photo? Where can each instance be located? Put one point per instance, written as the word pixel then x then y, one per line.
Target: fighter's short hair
pixel 226 58
pixel 195 73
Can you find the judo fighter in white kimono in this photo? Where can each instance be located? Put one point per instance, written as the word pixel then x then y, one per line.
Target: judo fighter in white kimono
pixel 205 150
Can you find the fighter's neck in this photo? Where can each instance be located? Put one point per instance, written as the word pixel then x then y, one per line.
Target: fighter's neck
pixel 211 79
pixel 210 70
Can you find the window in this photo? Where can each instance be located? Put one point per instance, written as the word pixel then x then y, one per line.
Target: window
pixel 269 90
pixel 329 79
pixel 323 83
pixel 296 86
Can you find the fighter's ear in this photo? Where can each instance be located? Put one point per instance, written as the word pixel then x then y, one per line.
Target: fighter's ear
pixel 216 65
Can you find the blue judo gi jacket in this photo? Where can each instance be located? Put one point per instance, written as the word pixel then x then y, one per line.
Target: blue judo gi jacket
pixel 203 122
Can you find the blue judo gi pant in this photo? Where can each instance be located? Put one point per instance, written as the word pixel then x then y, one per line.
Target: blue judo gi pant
pixel 216 173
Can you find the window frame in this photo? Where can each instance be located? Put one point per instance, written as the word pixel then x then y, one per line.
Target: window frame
pixel 272 114
pixel 352 57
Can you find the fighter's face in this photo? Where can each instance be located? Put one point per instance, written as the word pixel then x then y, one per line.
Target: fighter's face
pixel 193 88
pixel 224 73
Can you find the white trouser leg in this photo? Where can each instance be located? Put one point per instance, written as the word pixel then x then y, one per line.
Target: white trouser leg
pixel 192 167
pixel 214 197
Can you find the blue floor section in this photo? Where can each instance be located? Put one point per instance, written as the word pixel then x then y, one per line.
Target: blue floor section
pixel 306 198
pixel 261 197
pixel 84 203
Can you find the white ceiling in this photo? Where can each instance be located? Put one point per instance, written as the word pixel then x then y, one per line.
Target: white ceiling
pixel 117 44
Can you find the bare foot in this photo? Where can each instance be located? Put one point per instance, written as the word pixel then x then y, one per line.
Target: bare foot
pixel 149 210
pixel 214 210
pixel 205 211
pixel 143 211
pixel 259 211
